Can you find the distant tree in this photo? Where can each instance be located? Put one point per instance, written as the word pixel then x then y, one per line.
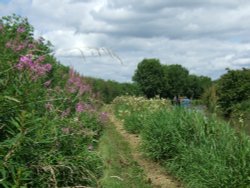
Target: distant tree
pixel 196 86
pixel 165 92
pixel 233 88
pixel 149 76
pixel 177 79
pixel 108 89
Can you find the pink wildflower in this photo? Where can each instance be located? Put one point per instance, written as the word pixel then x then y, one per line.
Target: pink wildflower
pixel 47 67
pixel 26 59
pixel 21 29
pixel 76 84
pixel 40 59
pixel 37 69
pixel 80 107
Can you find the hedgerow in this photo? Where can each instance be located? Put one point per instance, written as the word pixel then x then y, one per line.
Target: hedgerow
pixel 49 120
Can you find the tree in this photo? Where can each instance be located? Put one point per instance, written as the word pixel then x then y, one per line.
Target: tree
pixel 196 86
pixel 149 76
pixel 177 79
pixel 233 88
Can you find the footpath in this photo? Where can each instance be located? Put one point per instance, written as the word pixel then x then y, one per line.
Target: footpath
pixel 155 174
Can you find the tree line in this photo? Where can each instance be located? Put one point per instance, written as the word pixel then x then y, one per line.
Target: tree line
pixel 167 81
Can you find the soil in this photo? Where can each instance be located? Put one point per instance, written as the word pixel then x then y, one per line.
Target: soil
pixel 156 175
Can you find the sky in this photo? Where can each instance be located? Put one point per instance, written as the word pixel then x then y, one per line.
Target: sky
pixel 108 38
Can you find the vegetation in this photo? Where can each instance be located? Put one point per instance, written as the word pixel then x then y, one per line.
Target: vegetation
pixel 49 120
pixel 229 97
pixel 120 168
pixel 233 89
pixel 168 81
pixel 200 150
pixel 108 90
pixel 149 75
pixel 132 110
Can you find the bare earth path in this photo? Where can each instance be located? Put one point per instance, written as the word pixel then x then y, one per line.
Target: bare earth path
pixel 154 172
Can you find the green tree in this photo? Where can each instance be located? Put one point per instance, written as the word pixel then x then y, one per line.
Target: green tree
pixel 196 86
pixel 177 79
pixel 149 76
pixel 233 88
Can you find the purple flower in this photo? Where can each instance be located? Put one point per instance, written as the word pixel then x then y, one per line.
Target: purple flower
pixel 47 67
pixel 80 107
pixel 76 84
pixel 37 69
pixel 21 29
pixel 40 59
pixel 26 59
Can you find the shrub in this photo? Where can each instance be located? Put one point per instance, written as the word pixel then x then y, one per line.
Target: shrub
pixel 49 123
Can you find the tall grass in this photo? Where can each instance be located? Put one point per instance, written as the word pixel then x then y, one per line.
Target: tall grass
pixel 132 110
pixel 201 151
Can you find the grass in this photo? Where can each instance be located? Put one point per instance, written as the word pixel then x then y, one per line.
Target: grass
pixel 120 170
pixel 202 151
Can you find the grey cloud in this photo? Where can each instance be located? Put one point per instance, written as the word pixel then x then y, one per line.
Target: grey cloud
pixel 174 23
pixel 204 36
pixel 149 5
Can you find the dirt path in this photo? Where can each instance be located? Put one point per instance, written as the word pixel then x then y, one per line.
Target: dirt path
pixel 154 172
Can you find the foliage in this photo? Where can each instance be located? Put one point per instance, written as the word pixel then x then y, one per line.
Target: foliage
pixel 210 99
pixel 109 90
pixel 233 88
pixel 201 151
pixel 131 110
pixel 177 79
pixel 168 81
pixel 197 85
pixel 240 116
pixel 49 121
pixel 149 76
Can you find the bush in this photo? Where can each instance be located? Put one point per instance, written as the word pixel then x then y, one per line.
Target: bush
pixel 49 123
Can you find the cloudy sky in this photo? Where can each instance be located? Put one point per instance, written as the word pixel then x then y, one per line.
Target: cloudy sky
pixel 108 38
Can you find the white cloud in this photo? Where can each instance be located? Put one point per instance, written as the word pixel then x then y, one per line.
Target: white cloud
pixel 204 36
